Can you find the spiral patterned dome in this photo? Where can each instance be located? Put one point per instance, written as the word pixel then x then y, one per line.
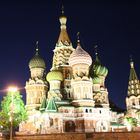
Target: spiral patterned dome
pixel 37 61
pixel 101 70
pixel 54 75
pixel 97 80
pixel 80 56
pixel 98 68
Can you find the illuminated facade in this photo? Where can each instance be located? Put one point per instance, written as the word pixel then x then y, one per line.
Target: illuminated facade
pixel 72 97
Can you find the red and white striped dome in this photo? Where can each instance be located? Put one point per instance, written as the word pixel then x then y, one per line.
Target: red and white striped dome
pixel 80 56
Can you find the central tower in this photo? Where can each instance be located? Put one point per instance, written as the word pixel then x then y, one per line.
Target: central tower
pixel 62 52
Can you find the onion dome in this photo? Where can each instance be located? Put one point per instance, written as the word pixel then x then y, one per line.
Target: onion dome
pixel 37 61
pixel 97 80
pixel 80 56
pixel 99 69
pixel 54 75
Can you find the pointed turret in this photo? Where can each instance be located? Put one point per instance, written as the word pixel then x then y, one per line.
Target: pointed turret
pixel 133 75
pixel 51 106
pixel 133 86
pixel 133 97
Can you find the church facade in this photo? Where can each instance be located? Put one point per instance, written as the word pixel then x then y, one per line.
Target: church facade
pixel 72 97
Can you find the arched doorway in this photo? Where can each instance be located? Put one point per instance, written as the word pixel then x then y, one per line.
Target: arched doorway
pixel 69 126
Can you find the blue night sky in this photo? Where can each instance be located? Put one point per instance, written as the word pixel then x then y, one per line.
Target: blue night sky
pixel 114 27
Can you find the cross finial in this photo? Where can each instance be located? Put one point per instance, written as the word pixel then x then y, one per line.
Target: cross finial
pixel 62 9
pixel 78 37
pixel 131 59
pixel 36 47
pixel 95 47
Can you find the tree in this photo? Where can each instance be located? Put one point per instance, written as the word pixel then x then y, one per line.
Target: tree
pixel 132 121
pixel 19 111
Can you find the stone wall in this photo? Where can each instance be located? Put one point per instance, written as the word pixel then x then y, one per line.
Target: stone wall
pixel 81 136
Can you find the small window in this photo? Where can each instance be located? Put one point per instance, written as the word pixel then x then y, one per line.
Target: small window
pixel 104 128
pixel 100 112
pixel 90 110
pixel 86 110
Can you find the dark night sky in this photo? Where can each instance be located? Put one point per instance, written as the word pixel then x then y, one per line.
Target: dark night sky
pixel 114 27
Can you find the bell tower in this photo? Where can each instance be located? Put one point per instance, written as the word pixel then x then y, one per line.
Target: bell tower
pixel 133 97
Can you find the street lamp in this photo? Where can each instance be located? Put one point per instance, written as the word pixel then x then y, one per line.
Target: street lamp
pixel 12 90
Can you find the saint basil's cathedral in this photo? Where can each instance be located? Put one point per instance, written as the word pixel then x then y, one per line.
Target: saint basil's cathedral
pixel 72 97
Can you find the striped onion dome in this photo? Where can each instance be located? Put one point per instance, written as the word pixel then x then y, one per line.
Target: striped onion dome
pixel 97 69
pixel 80 56
pixel 97 80
pixel 101 70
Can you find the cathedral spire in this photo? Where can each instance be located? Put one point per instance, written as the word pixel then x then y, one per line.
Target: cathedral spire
pixel 63 48
pixel 133 84
pixel 133 88
pixel 133 75
pixel 63 36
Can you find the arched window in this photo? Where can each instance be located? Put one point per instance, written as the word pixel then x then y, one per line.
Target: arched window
pixel 86 110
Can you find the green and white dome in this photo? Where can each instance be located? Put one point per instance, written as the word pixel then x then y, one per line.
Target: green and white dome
pixel 97 80
pixel 54 75
pixel 100 70
pixel 97 69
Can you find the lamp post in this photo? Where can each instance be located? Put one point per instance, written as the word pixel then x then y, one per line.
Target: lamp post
pixel 12 90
